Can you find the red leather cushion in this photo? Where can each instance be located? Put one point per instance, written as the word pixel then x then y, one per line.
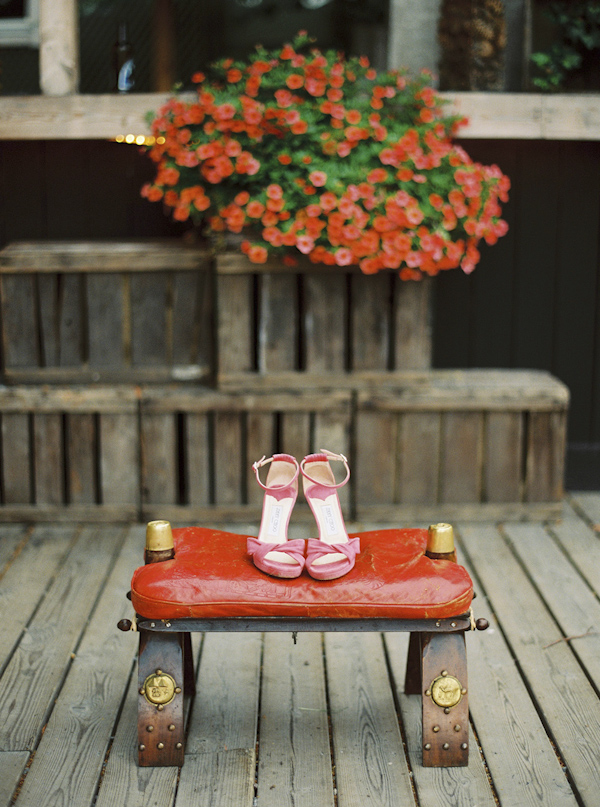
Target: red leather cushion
pixel 212 576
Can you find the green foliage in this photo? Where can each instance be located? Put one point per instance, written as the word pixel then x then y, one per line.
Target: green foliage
pixel 578 25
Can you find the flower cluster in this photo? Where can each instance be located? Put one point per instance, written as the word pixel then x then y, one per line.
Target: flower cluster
pixel 304 151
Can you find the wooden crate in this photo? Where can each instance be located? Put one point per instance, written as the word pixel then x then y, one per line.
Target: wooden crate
pixel 473 444
pixel 198 446
pixel 316 325
pixel 126 311
pixel 69 453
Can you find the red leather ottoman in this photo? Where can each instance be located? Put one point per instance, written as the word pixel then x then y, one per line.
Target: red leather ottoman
pixel 199 579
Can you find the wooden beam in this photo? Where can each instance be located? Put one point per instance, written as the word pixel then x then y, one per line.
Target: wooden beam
pixel 59 47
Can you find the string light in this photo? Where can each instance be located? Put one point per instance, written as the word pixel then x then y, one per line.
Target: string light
pixel 138 140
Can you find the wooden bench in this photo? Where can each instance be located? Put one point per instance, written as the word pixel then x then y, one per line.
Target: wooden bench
pixel 199 579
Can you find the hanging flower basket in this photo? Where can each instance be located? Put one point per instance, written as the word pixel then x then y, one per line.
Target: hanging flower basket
pixel 305 152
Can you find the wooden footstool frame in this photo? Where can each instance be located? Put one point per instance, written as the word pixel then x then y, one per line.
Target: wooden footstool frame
pixel 436 669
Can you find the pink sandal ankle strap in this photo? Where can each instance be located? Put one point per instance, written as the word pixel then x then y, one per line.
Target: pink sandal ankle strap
pixel 264 461
pixel 322 456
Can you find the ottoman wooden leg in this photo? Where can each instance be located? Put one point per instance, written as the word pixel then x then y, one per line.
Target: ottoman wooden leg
pixel 161 685
pixel 412 681
pixel 445 700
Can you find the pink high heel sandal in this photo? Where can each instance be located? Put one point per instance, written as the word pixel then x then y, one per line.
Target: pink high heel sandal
pixel 271 551
pixel 333 554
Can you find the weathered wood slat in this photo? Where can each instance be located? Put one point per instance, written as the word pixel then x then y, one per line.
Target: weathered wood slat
pixel 589 504
pixel 68 399
pixel 370 765
pixel 580 543
pixel 81 443
pixel 228 458
pixel 150 313
pixel 159 468
pixel 412 324
pixel 278 323
pixel 260 442
pixel 198 458
pixel 503 457
pixel 16 458
pixel 229 773
pixel 294 725
pixel 12 764
pixel 12 539
pixel 48 458
pixel 561 690
pixel 145 255
pixel 26 579
pixel 80 726
pixel 545 456
pixel 376 437
pixel 225 712
pixel 108 321
pixel 19 333
pixel 235 326
pixel 72 323
pixel 325 325
pixel 370 322
pixel 461 457
pixel 49 289
pixel 123 781
pixel 119 458
pixel 418 456
pixel 36 668
pixel 295 433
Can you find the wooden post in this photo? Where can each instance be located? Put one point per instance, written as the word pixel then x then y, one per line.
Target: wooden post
pixel 163 38
pixel 59 47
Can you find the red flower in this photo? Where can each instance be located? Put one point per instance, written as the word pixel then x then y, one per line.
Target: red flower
pixel 318 178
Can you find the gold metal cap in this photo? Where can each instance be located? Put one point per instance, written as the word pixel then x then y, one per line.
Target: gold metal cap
pixel 159 536
pixel 440 538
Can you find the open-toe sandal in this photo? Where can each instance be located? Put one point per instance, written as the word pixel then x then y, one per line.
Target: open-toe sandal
pixel 271 551
pixel 333 554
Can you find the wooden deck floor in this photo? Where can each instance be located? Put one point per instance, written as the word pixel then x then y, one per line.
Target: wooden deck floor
pixel 318 724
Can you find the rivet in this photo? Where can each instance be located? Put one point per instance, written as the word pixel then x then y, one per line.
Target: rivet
pixel 160 746
pixel 177 690
pixel 436 728
pixel 444 672
pixel 160 707
pixel 464 691
pixel 464 746
pixel 142 691
pixel 142 747
pixel 437 624
pixel 457 727
pixel 149 728
pixel 153 624
pixel 428 693
pixel 427 746
pixel 168 624
pixel 179 745
pixel 453 624
pixel 159 672
pixel 447 710
pixel 172 727
pixel 445 746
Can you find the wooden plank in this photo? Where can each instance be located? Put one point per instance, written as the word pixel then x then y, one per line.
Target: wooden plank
pixel 188 325
pixel 176 398
pixel 59 47
pixel 71 752
pixel 230 774
pixel 295 433
pixel 294 761
pixel 560 689
pixel 325 322
pixel 13 538
pixel 150 313
pixel 370 766
pixel 331 430
pixel 158 458
pixel 49 288
pixel 108 320
pixel 370 314
pixel 436 786
pixel 25 581
pixel 228 458
pixel 235 325
pixel 260 442
pixel 461 457
pixel 588 503
pixel 528 116
pixel 375 477
pixel 119 447
pixel 225 712
pixel 35 671
pixel 77 255
pixel 16 458
pixel 576 610
pixel 69 399
pixel 418 455
pixel 69 513
pixel 48 458
pixel 81 441
pixel 198 456
pixel 19 322
pixel 412 324
pixel 503 452
pixel 124 782
pixel 12 765
pixel 72 323
pixel 545 456
pixel 278 323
